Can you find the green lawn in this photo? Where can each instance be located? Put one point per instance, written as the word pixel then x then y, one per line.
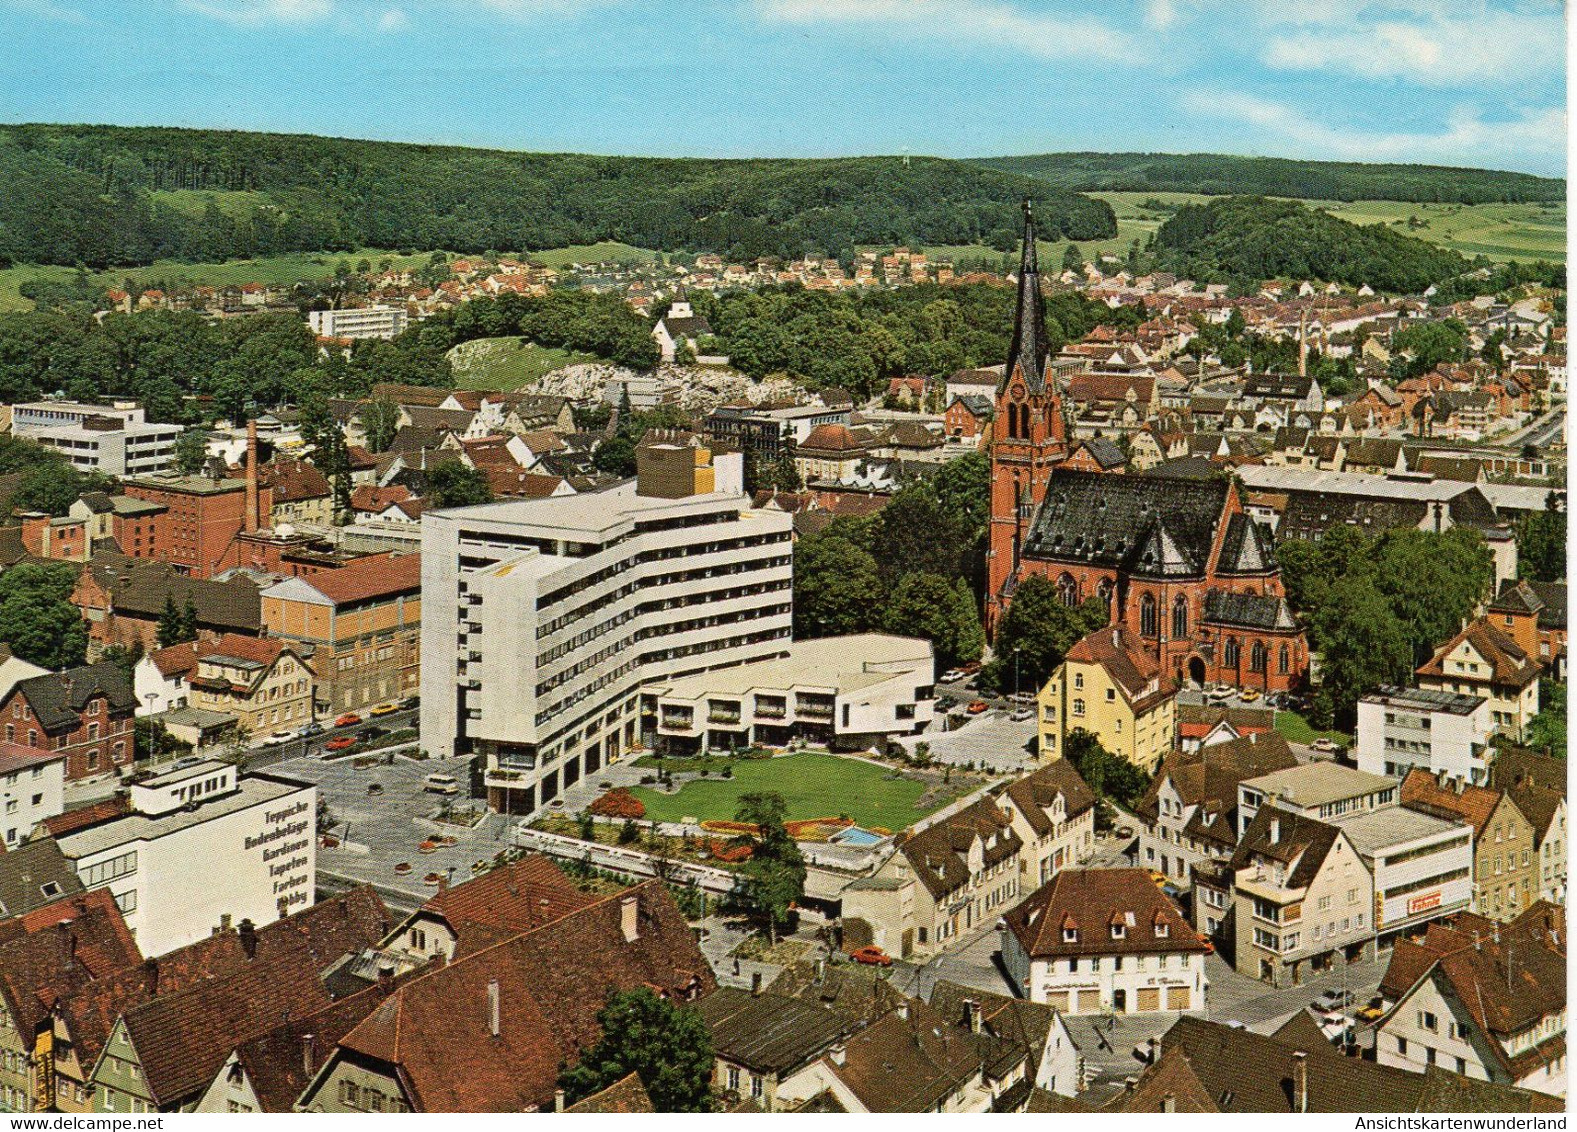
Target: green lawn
pixel 814 786
pixel 608 251
pixel 1295 729
pixel 507 363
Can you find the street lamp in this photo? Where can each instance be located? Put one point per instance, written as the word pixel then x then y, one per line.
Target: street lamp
pixel 153 726
pixel 1015 674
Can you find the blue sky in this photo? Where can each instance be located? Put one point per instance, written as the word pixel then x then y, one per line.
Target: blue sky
pixel 1441 82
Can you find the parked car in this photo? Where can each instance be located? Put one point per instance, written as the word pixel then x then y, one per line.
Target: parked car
pixel 1219 692
pixel 1021 715
pixel 1159 879
pixel 313 728
pixel 279 739
pixel 952 676
pixel 1373 1011
pixel 977 707
pixel 1250 695
pixel 1333 1000
pixel 410 702
pixel 1323 744
pixel 873 956
pixel 349 719
pixel 384 709
pixel 340 743
pixel 368 734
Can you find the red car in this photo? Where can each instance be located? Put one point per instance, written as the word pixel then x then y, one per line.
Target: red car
pixel 349 719
pixel 340 742
pixel 977 707
pixel 874 956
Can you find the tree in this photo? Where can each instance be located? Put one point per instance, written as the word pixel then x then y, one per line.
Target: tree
pixel 1362 645
pixel 940 610
pixel 1547 730
pixel 38 622
pixel 177 625
pixel 773 879
pixel 380 420
pixel 453 484
pixel 1541 543
pixel 1041 630
pixel 616 456
pixel 1072 258
pixel 327 450
pixel 191 450
pixel 785 474
pixel 666 1044
pixel 1109 775
pixel 837 588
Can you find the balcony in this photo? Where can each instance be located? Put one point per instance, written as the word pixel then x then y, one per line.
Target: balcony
pixel 508 779
pixel 723 713
pixel 778 712
pixel 813 709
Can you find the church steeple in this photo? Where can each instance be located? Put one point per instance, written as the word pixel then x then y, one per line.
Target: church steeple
pixel 1030 347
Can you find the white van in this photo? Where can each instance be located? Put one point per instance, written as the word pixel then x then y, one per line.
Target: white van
pixel 440 784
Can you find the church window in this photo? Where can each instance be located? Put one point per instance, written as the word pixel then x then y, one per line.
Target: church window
pixel 1282 661
pixel 1068 590
pixel 1257 658
pixel 1180 618
pixel 1104 589
pixel 1230 653
pixel 1148 622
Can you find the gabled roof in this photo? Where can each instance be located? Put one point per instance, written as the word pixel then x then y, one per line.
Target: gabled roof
pixel 1207 778
pixel 1088 902
pixel 1104 452
pixel 1123 656
pixel 1473 804
pixel 362 579
pixel 1248 611
pixel 1298 842
pixel 1139 523
pixel 911 1059
pixel 54 950
pixel 855 993
pixel 626 1095
pixel 140 587
pixel 1509 664
pixel 505 901
pixel 1247 548
pixel 57 699
pixel 1036 792
pixel 34 874
pixel 939 853
pixel 769 1033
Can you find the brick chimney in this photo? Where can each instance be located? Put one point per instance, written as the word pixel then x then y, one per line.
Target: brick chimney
pixel 493 1003
pixel 1300 1081
pixel 248 934
pixel 628 922
pixel 249 520
pixel 307 1060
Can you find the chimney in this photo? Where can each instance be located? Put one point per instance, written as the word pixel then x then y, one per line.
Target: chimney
pixel 150 968
pixel 1169 1103
pixel 1275 831
pixel 839 1053
pixel 628 909
pixel 307 1060
pixel 248 934
pixel 224 921
pixel 1253 738
pixel 903 1010
pixel 972 1013
pixel 821 970
pixel 1300 1081
pixel 558 1100
pixel 249 520
pixel 386 975
pixel 492 1007
pixel 1130 1084
pixel 755 982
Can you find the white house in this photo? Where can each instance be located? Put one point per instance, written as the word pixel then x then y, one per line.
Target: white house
pixel 1104 941
pixel 161 677
pixel 32 788
pixel 1400 728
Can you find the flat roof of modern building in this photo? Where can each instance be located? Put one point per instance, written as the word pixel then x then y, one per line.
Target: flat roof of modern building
pixel 1378 830
pixel 1270 478
pixel 1319 782
pixel 251 792
pixel 843 664
pixel 191 485
pixel 1425 699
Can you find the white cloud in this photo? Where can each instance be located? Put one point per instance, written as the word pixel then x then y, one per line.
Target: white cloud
pixel 1161 14
pixel 982 23
pixel 530 9
pixel 1437 50
pixel 1535 135
pixel 260 13
pixel 393 20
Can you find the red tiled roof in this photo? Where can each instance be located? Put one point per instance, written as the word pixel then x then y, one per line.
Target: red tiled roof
pixel 1124 657
pixel 14 757
pixel 84 816
pixel 367 578
pixel 506 901
pixel 1089 901
pixel 53 951
pixel 175 660
pixel 259 650
pixel 377 499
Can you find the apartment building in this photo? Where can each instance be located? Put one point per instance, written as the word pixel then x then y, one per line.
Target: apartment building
pixel 1506 858
pixel 1483 661
pixel 1319 789
pixel 84 714
pixel 32 788
pixel 358 322
pixel 547 618
pixel 1104 941
pixel 1111 686
pixel 1053 812
pixel 1441 731
pixel 159 854
pixel 771 432
pixel 116 440
pixel 848 693
pixel 264 683
pixel 361 625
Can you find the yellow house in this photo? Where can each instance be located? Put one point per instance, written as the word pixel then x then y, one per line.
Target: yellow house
pixel 1483 661
pixel 264 683
pixel 1109 685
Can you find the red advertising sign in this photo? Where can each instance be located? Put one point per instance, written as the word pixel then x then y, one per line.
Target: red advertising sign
pixel 1423 903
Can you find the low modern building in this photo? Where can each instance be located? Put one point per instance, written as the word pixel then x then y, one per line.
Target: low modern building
pixel 849 693
pixel 1443 732
pixel 32 788
pixel 1104 941
pixel 160 856
pixel 1421 865
pixel 1111 686
pixel 1319 789
pixel 547 618
pixel 116 440
pixel 358 322
pixel 771 432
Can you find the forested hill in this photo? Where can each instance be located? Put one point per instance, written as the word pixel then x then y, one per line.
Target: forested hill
pixel 1250 238
pixel 106 195
pixel 1217 174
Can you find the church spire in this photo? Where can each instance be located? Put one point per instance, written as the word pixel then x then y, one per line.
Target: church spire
pixel 1030 347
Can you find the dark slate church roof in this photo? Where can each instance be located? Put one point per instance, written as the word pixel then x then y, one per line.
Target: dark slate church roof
pixel 1248 611
pixel 1140 524
pixel 1246 548
pixel 1030 342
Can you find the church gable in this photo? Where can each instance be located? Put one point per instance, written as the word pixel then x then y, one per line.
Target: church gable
pixel 1111 521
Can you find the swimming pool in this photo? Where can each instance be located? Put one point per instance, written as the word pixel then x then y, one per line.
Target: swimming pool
pixel 854 835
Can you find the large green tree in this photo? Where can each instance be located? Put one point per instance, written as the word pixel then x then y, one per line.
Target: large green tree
pixel 37 620
pixel 773 879
pixel 1038 630
pixel 666 1044
pixel 191 450
pixel 1362 645
pixel 939 609
pixel 453 484
pixel 1541 543
pixel 1109 775
pixel 837 588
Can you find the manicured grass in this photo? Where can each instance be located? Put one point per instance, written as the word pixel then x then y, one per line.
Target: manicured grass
pixel 1295 729
pixel 814 786
pixel 507 363
pixel 608 251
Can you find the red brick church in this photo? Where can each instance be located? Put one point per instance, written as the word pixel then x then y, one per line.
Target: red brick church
pixel 1175 560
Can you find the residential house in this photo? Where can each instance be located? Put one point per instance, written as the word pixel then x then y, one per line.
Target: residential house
pixel 681 326
pixel 265 683
pixel 161 679
pixel 1053 1059
pixel 83 714
pixel 1534 615
pixel 1104 941
pixel 1113 687
pixel 1482 1000
pixel 1537 783
pixel 1483 661
pixel 32 788
pixel 1053 813
pixel 764 1042
pixel 1506 862
pixel 299 493
pixel 1442 732
pixel 1097 454
pixel 1302 898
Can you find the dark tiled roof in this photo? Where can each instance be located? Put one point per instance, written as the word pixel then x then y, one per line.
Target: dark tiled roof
pixel 1246 548
pixel 34 874
pixel 57 698
pixel 1031 344
pixel 1300 843
pixel 1036 792
pixel 939 853
pixel 1207 778
pixel 1093 903
pixel 1141 524
pixel 1509 664
pixel 1249 611
pixel 769 1033
pixel 910 1060
pixel 856 993
pixel 1104 452
pixel 140 587
pixel 1123 655
pixel 625 1095
pixel 55 950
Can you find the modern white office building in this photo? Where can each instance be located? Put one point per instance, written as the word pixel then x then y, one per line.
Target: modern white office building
pixel 114 439
pixel 851 692
pixel 544 619
pixel 199 846
pixel 359 322
pixel 1422 866
pixel 1400 728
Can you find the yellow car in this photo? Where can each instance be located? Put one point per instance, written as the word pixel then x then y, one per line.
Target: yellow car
pixel 1371 1013
pixel 385 709
pixel 1249 696
pixel 1158 878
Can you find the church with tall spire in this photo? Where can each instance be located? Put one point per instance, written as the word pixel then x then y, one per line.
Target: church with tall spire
pixel 1177 561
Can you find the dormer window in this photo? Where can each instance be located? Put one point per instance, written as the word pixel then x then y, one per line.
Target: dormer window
pixel 1119 931
pixel 1162 930
pixel 1070 935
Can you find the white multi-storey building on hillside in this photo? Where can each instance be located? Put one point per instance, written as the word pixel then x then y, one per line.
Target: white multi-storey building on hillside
pixel 543 619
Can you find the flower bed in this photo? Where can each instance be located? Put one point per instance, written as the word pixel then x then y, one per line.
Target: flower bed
pixel 618 803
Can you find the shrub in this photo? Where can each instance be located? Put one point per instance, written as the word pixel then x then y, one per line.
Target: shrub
pixel 629 833
pixel 618 803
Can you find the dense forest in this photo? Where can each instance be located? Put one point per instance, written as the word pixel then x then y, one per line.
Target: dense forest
pixel 105 195
pixel 1221 175
pixel 1251 238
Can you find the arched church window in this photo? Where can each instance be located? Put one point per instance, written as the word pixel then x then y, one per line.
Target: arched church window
pixel 1180 618
pixel 1068 590
pixel 1230 653
pixel 1257 658
pixel 1282 664
pixel 1149 623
